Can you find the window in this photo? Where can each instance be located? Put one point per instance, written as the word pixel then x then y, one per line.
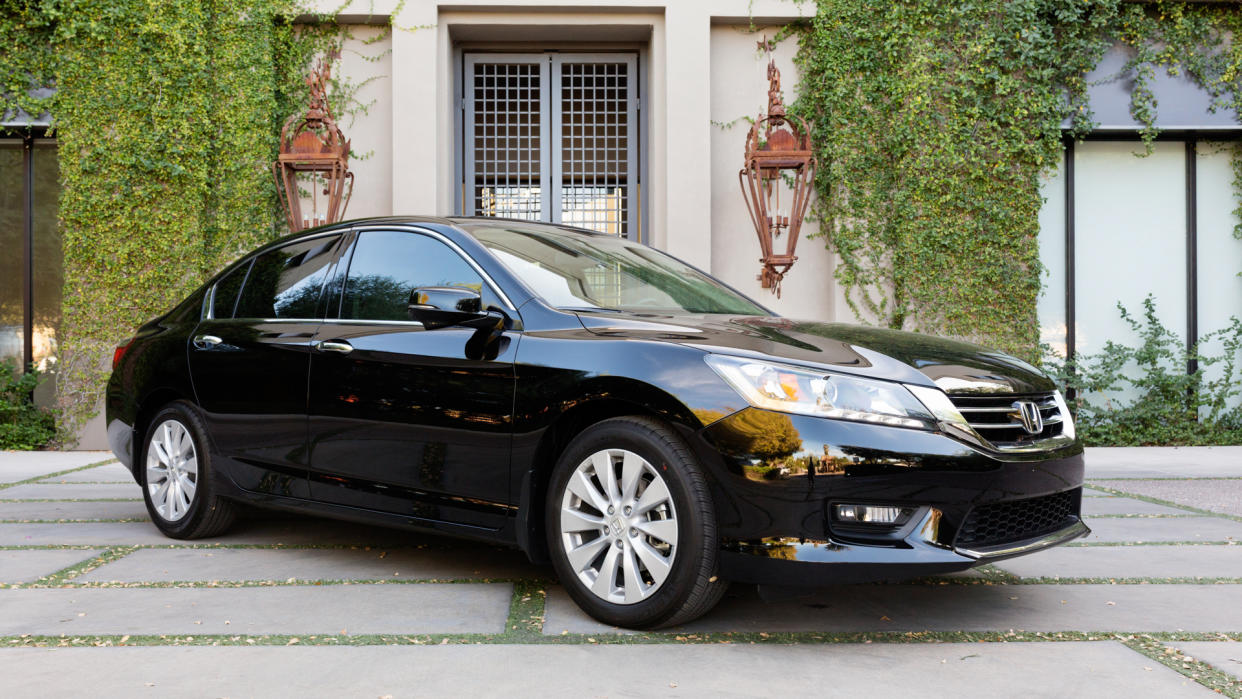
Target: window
pixel 31 268
pixel 1161 224
pixel 552 137
pixel 224 301
pixel 387 265
pixel 597 272
pixel 286 282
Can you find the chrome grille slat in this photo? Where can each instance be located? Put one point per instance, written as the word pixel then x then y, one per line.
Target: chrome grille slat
pixel 996 420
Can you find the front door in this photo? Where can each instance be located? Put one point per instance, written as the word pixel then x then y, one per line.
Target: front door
pixel 249 363
pixel 404 419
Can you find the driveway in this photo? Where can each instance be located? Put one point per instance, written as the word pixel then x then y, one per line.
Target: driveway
pixel 94 600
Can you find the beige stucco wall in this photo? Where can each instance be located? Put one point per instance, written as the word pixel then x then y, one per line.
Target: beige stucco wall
pixel 366 63
pixel 699 64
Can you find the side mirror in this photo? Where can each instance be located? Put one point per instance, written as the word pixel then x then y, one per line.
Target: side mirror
pixel 442 306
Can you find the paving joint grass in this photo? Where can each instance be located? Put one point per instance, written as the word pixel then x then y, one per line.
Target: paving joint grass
pixel 70 499
pixel 1142 516
pixel 1187 666
pixel 1196 542
pixel 57 474
pixel 520 636
pixel 527 608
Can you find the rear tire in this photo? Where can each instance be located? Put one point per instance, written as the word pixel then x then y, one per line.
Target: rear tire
pixel 631 528
pixel 178 478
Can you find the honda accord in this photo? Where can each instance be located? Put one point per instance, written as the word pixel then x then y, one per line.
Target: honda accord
pixel 649 431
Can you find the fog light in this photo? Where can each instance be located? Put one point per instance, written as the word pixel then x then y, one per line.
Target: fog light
pixel 871 514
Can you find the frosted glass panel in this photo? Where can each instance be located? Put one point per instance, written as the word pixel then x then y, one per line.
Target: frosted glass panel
pixel 1220 254
pixel 1130 238
pixel 1052 254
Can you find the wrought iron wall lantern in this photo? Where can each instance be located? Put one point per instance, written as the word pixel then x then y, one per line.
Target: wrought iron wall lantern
pixel 776 181
pixel 314 151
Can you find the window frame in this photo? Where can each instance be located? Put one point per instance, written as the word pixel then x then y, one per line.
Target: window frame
pixel 1190 140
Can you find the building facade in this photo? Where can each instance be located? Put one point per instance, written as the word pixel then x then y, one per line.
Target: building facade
pixel 630 118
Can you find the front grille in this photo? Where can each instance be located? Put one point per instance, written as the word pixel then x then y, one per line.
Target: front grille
pixel 1006 522
pixel 997 418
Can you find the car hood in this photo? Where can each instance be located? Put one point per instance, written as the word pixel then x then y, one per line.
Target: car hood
pixel 956 367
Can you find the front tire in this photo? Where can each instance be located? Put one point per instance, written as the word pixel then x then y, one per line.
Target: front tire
pixel 630 524
pixel 177 476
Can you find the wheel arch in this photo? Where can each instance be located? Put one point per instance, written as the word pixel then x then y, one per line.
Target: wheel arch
pixel 602 401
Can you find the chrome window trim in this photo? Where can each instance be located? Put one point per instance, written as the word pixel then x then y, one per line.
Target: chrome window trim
pixel 357 321
pixel 487 278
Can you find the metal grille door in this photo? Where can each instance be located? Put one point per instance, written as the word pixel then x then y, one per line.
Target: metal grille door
pixel 506 130
pixel 552 137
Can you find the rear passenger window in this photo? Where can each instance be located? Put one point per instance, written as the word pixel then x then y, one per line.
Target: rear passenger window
pixel 225 298
pixel 286 282
pixel 388 265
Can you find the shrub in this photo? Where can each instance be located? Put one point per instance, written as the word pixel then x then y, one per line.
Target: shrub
pixel 1170 405
pixel 23 425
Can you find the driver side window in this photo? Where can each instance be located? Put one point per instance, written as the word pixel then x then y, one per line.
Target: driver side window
pixel 387 265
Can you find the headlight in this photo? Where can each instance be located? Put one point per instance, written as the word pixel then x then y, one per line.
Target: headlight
pixel 797 390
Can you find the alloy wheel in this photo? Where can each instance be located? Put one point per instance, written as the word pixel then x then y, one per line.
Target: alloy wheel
pixel 618 526
pixel 172 470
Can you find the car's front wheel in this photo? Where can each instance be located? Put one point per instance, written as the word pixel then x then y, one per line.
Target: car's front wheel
pixel 631 527
pixel 177 476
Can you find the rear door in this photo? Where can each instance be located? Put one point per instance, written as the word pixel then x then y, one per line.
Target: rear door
pixel 404 419
pixel 249 363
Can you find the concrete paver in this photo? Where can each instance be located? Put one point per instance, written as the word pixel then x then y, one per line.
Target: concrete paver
pixel 22 566
pixel 71 491
pixel 465 561
pixel 1120 529
pixel 23 465
pixel 69 510
pixel 1099 669
pixel 292 609
pixel 953 608
pixel 1127 506
pixel 114 472
pixel 1129 562
pixel 1163 462
pixel 1221 495
pixel 1225 656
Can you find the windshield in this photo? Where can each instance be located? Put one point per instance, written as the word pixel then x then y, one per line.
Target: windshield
pixel 584 272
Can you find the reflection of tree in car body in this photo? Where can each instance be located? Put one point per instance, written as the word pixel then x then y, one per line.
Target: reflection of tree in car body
pixel 768 437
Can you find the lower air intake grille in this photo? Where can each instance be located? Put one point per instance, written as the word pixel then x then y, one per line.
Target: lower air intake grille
pixel 1007 522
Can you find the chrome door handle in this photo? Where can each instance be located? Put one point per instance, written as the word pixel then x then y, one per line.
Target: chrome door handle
pixel 334 346
pixel 206 341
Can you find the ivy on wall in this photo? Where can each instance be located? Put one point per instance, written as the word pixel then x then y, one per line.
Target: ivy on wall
pixel 167 115
pixel 934 122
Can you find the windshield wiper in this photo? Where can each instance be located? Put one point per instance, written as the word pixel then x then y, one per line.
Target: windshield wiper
pixel 589 309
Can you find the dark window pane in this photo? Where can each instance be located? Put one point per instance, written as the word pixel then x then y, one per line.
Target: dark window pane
pixel 226 292
pixel 48 260
pixel 388 265
pixel 12 231
pixel 285 282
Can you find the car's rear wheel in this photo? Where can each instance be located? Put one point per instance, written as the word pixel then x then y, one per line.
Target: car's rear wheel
pixel 631 527
pixel 177 476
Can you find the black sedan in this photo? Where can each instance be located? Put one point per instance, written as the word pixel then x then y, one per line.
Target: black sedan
pixel 651 432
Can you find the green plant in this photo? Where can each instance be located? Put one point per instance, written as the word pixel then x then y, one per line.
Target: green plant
pixel 1166 405
pixel 167 116
pixel 934 121
pixel 23 425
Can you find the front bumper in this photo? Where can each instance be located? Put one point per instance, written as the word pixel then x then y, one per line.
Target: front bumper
pixel 774 507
